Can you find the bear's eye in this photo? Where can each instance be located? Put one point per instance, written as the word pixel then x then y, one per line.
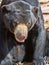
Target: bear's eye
pixel 28 24
pixel 15 23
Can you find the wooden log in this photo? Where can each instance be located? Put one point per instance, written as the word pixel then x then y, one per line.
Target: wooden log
pixel 46 17
pixel 45 10
pixel 44 1
pixel 0 3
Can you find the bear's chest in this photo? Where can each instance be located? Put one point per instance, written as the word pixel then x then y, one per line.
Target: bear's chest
pixel 17 52
pixel 24 51
pixel 21 52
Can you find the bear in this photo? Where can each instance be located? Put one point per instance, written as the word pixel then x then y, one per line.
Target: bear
pixel 22 33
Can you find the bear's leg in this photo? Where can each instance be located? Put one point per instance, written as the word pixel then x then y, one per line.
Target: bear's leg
pixel 40 42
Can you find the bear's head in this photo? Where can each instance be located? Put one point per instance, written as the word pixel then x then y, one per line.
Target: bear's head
pixel 19 17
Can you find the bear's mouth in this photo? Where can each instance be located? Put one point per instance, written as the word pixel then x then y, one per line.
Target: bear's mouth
pixel 20 38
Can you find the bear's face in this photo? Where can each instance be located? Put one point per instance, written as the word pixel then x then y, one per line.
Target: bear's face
pixel 19 19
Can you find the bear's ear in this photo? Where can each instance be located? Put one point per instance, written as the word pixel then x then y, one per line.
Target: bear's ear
pixel 35 11
pixel 5 9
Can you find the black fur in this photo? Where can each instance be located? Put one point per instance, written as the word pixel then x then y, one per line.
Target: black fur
pixel 34 44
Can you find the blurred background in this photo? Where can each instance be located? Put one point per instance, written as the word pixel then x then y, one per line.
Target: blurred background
pixel 45 11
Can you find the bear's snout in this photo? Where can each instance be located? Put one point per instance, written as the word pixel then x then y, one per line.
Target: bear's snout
pixel 21 32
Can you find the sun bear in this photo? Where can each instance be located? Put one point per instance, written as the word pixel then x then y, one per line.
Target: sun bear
pixel 22 33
